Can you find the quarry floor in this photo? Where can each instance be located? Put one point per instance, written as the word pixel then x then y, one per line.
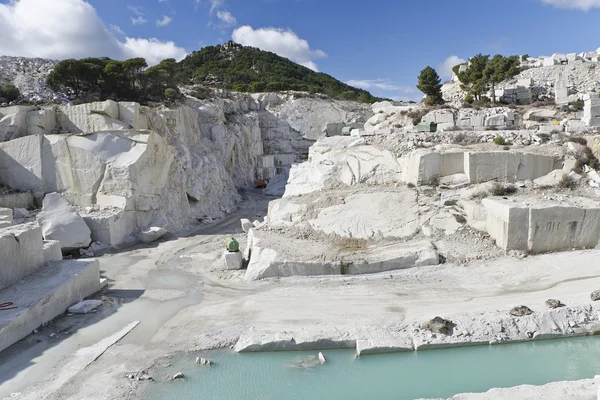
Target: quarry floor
pixel 186 302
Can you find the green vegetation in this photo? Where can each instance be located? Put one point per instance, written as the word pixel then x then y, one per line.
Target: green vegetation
pixel 232 66
pixel 499 141
pixel 430 84
pixel 483 74
pixel 10 92
pixel 117 80
pixel 248 69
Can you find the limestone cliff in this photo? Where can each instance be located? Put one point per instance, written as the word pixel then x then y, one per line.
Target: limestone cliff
pixel 131 167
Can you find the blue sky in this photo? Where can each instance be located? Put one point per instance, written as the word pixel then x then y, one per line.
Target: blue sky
pixel 379 45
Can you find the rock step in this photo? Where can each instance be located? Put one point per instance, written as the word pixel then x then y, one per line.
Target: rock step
pixel 44 295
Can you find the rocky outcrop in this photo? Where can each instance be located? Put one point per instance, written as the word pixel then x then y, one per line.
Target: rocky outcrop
pixel 132 167
pixel 342 160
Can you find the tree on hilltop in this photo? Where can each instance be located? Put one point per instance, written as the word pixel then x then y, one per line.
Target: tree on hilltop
pixel 430 84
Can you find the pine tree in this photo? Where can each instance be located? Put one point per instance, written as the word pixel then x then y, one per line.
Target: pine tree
pixel 430 84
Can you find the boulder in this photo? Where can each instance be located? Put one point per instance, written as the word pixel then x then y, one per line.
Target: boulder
pixel 233 260
pixel 439 325
pixel 152 234
pixel 520 311
pixel 552 179
pixel 52 251
pixel 204 361
pixel 20 213
pixel 61 221
pixel 246 225
pixel 595 296
pixel 322 358
pixel 553 303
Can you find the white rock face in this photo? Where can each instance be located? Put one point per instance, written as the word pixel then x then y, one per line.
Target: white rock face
pixel 371 215
pixel 342 160
pixel 61 221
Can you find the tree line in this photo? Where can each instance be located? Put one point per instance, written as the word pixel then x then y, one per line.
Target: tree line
pixel 232 66
pixel 481 75
pixel 129 80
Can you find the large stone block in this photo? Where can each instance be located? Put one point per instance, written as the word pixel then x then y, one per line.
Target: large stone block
pixel 13 126
pixel 17 200
pixel 21 164
pixel 395 257
pixel 425 167
pixel 507 224
pixel 111 227
pixel 484 167
pixel 41 121
pixel 563 228
pixel 21 252
pixel 89 117
pixel 131 113
pixel 60 221
pixel 52 251
pixel 41 297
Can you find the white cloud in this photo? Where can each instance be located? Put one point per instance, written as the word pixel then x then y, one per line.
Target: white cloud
pixel 282 42
pixel 227 18
pixel 71 29
pixel 153 50
pixel 116 29
pixel 584 5
pixel 164 21
pixel 445 68
pixel 214 4
pixel 381 84
pixel 139 20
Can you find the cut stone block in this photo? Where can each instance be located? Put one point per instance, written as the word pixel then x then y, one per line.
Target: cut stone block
pixel 21 164
pixel 44 295
pixel 52 251
pixel 246 225
pixel 60 221
pixel 395 257
pixel 110 227
pixel 21 253
pixel 17 200
pixel 233 260
pixel 85 306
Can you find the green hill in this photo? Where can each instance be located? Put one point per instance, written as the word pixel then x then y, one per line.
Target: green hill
pixel 231 66
pixel 248 69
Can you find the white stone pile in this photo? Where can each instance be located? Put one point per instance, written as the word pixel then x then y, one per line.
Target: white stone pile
pixel 29 75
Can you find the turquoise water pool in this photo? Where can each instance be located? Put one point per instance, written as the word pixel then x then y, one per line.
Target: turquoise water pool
pixel 434 373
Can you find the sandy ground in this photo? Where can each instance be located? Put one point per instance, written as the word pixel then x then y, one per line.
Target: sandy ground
pixel 187 302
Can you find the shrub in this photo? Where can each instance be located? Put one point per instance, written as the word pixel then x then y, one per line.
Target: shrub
pixel 567 182
pixel 499 141
pixel 469 99
pixel 417 115
pixel 577 105
pixel 171 94
pixel 201 93
pixel 579 140
pixel 10 92
pixel 499 189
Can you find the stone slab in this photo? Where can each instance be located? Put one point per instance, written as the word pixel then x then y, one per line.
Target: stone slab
pixel 84 307
pixel 17 200
pixel 44 295
pixel 21 252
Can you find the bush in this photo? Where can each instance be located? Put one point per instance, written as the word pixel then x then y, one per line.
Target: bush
pixel 201 93
pixel 499 141
pixel 567 182
pixel 10 92
pixel 579 140
pixel 469 99
pixel 171 94
pixel 577 105
pixel 502 190
pixel 417 115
